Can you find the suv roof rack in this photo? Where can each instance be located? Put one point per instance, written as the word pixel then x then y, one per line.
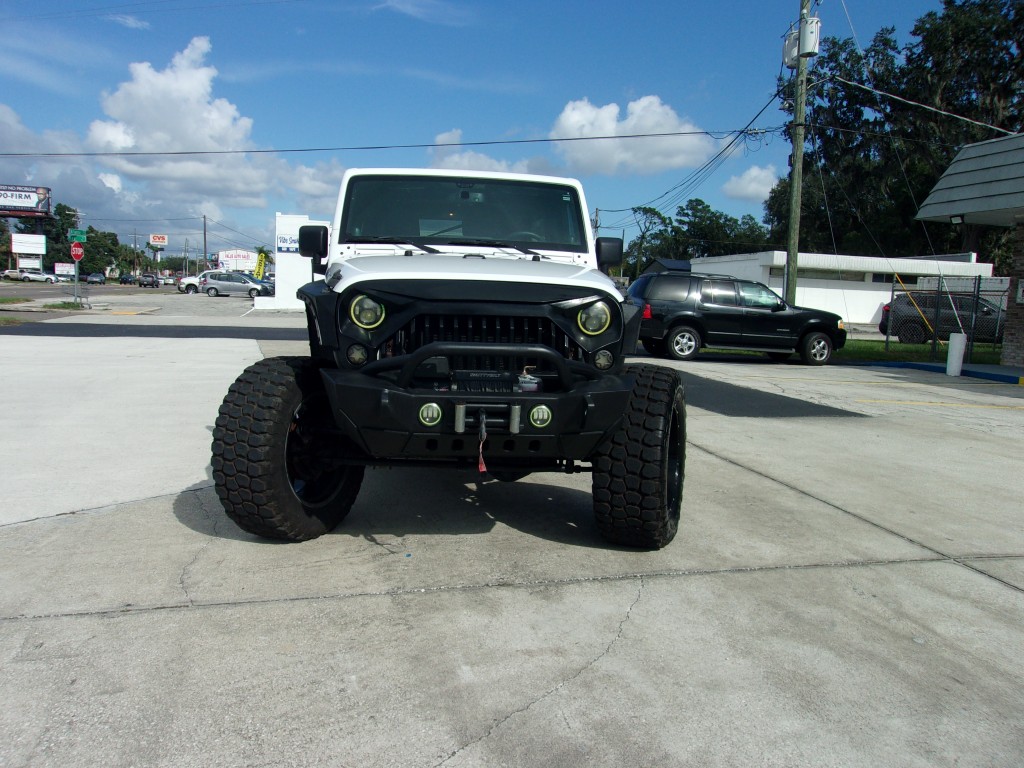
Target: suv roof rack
pixel 723 277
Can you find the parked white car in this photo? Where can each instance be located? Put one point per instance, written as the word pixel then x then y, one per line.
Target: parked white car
pixel 191 284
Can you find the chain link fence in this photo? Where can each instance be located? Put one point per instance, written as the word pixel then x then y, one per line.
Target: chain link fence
pixel 936 307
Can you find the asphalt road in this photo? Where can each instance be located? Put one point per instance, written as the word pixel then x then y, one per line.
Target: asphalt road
pixel 847 587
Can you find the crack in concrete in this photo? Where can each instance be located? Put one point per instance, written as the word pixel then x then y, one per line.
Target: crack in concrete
pixel 555 689
pixel 411 591
pixel 939 554
pixel 215 520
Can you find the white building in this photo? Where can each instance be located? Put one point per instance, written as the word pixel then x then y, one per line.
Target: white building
pixel 854 287
pixel 291 271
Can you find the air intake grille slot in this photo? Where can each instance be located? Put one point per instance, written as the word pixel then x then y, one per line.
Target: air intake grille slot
pixel 484 329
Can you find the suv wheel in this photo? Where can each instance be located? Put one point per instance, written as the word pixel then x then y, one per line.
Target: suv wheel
pixel 816 348
pixel 638 473
pixel 297 492
pixel 191 289
pixel 911 333
pixel 212 292
pixel 683 342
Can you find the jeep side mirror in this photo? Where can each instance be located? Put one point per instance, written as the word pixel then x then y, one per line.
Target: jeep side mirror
pixel 313 244
pixel 609 251
pixel 779 306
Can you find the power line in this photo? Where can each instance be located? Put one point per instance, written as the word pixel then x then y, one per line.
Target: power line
pixel 362 148
pixel 922 106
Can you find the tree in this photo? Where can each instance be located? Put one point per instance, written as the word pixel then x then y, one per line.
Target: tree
pixel 642 250
pixel 871 159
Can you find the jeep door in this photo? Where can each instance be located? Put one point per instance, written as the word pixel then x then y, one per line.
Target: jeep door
pixel 721 312
pixel 767 321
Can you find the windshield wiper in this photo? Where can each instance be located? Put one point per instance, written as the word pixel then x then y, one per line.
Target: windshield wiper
pixel 493 244
pixel 392 241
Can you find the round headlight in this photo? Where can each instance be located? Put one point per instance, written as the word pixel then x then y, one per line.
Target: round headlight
pixel 365 312
pixel 594 319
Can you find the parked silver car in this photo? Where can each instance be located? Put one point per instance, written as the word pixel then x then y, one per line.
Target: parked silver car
pixel 227 283
pixel 36 276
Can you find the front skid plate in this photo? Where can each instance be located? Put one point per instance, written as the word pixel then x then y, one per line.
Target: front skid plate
pixel 384 420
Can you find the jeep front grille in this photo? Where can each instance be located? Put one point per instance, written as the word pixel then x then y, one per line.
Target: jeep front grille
pixel 483 329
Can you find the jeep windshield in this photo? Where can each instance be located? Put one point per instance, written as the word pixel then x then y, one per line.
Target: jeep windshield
pixel 525 216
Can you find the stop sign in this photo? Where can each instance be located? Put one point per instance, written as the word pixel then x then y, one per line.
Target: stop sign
pixel 77 251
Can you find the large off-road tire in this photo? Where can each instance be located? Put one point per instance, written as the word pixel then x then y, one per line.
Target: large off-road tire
pixel 276 459
pixel 638 473
pixel 683 342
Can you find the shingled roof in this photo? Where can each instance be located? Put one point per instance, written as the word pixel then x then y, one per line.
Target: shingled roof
pixel 984 185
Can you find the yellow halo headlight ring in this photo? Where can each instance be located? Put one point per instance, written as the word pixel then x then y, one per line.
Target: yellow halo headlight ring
pixel 366 312
pixel 594 319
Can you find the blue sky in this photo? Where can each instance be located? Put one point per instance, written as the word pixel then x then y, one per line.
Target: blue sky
pixel 92 76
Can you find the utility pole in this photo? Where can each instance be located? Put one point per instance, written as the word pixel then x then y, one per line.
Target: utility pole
pixel 797 157
pixel 205 252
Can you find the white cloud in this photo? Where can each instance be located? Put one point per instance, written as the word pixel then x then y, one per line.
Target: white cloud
pixel 432 11
pixel 129 21
pixel 468 160
pixel 174 110
pixel 168 110
pixel 753 184
pixel 111 180
pixel 646 115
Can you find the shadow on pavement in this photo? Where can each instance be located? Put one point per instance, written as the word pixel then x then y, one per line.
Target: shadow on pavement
pixel 447 502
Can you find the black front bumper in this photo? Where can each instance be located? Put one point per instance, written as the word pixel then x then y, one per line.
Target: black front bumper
pixel 379 408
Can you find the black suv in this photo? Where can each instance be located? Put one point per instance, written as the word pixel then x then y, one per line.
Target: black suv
pixel 683 312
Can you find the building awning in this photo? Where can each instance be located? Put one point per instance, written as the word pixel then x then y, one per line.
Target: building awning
pixel 983 185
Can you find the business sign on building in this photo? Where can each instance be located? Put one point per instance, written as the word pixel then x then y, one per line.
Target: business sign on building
pixel 28 244
pixel 237 260
pixel 24 202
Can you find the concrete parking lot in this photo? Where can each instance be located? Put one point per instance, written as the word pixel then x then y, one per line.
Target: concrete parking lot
pixel 847 587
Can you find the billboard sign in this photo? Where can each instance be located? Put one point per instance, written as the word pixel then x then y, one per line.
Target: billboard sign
pixel 237 260
pixel 63 268
pixel 21 202
pixel 159 241
pixel 30 262
pixel 28 244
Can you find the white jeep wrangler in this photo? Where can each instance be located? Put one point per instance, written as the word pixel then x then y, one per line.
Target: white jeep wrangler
pixel 462 322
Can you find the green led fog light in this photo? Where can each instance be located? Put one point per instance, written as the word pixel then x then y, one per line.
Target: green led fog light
pixel 541 416
pixel 604 359
pixel 430 415
pixel 356 354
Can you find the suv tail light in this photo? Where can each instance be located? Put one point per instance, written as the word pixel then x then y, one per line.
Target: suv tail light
pixel 885 308
pixel 647 312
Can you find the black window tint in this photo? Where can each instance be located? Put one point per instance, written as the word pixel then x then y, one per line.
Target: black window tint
pixel 638 288
pixel 758 296
pixel 670 288
pixel 718 292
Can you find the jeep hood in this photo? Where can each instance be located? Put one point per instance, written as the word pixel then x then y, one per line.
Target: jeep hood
pixel 421 266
